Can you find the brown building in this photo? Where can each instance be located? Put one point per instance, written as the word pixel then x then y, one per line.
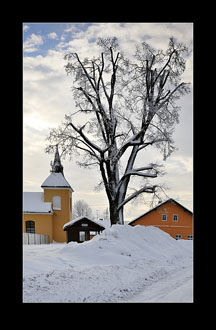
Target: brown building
pixel 82 229
pixel 171 217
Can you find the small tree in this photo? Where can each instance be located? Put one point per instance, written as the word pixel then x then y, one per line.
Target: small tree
pixel 130 105
pixel 81 208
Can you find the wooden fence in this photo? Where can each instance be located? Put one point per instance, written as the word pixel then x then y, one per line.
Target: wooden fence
pixel 35 239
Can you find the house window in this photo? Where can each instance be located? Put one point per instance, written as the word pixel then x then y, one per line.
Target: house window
pixel 70 204
pixel 56 203
pixel 178 236
pixel 175 217
pixel 30 227
pixel 190 236
pixel 83 236
pixel 164 217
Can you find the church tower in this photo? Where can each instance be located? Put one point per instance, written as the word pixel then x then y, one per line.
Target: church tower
pixel 58 191
pixel 56 165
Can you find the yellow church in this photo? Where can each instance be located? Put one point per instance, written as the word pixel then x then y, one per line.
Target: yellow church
pixel 46 212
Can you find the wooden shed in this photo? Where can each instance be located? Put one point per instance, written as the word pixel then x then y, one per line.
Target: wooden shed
pixel 82 229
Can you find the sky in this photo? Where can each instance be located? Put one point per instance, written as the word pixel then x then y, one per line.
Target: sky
pixel 47 97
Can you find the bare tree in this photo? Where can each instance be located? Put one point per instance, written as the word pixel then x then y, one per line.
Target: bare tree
pixel 81 208
pixel 130 105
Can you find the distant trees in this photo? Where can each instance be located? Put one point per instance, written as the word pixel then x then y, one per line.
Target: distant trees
pixel 81 208
pixel 130 105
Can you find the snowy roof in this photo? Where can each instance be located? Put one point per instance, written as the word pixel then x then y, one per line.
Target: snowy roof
pixel 56 180
pixel 158 205
pixel 33 202
pixel 72 222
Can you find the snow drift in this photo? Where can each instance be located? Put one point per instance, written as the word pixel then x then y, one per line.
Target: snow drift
pixel 111 267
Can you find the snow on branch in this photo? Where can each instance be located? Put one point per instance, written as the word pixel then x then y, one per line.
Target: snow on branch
pixel 80 132
pixel 146 189
pixel 139 173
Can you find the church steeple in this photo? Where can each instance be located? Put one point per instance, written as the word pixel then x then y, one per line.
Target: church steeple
pixel 56 165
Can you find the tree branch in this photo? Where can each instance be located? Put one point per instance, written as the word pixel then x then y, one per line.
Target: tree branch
pixel 167 99
pixel 166 64
pixel 137 171
pixel 86 73
pixel 80 132
pixel 146 189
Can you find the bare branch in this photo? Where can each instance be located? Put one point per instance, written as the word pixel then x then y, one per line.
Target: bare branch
pixel 145 189
pixel 90 143
pixel 170 94
pixel 85 71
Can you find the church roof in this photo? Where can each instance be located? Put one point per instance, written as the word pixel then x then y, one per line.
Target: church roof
pixel 33 202
pixel 57 166
pixel 56 180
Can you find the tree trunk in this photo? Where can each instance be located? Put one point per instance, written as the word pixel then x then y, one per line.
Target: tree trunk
pixel 124 186
pixel 121 216
pixel 114 213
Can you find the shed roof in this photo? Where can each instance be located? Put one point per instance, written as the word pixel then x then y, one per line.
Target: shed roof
pixel 158 205
pixel 33 202
pixel 72 222
pixel 56 180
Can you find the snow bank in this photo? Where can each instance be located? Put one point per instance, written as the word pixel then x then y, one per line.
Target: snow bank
pixel 118 244
pixel 110 267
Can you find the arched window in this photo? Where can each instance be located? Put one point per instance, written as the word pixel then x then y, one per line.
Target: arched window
pixel 30 227
pixel 56 203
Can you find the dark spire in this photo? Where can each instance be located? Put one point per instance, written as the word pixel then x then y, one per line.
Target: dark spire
pixel 56 165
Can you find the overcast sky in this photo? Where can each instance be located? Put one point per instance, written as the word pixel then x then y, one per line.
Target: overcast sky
pixel 47 98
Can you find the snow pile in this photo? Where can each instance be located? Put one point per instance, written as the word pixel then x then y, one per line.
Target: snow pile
pixel 112 267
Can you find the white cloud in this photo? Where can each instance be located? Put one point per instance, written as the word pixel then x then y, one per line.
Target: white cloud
pixel 52 35
pixel 25 28
pixel 32 42
pixel 129 34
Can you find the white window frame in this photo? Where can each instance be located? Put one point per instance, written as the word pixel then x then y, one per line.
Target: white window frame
pixel 176 216
pixel 163 216
pixel 82 236
pixel 56 202
pixel 190 237
pixel 179 236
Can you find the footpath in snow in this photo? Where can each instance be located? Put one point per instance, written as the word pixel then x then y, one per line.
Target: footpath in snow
pixel 123 264
pixel 175 287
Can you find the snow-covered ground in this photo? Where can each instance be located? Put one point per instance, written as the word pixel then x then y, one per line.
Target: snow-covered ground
pixel 123 264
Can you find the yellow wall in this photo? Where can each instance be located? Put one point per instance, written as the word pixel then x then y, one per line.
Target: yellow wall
pixel 60 217
pixel 43 223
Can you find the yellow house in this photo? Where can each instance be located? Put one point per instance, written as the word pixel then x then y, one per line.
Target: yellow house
pixel 46 212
